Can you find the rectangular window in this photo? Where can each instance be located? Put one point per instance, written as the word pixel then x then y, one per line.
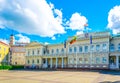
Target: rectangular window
pixel 92 47
pixel 104 46
pixel 97 47
pixel 86 48
pixel 70 50
pixel 104 59
pixel 80 49
pixel 97 60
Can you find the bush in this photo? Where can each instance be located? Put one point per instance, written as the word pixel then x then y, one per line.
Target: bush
pixel 17 67
pixel 5 67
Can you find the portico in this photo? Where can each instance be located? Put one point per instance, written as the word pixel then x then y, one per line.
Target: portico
pixel 54 62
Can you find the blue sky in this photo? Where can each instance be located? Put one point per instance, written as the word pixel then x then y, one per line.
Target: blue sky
pixel 52 21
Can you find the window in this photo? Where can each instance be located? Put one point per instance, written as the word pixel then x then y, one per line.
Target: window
pixel 38 51
pixel 80 49
pixel 37 60
pixel 80 59
pixel 86 60
pixel 28 61
pixel 75 49
pixel 57 51
pixel 97 60
pixel 33 52
pixel 70 50
pixel 112 47
pixel 97 47
pixel 28 52
pixel 52 51
pixel 104 60
pixel 119 46
pixel 92 47
pixel 62 50
pixel 104 46
pixel 32 61
pixel 86 48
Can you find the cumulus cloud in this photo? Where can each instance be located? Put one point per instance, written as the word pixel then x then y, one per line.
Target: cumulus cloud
pixel 53 38
pixel 79 32
pixel 31 17
pixel 77 21
pixel 22 39
pixel 114 19
pixel 5 41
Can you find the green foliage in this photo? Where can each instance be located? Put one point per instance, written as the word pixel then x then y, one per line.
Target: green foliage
pixel 5 67
pixel 10 67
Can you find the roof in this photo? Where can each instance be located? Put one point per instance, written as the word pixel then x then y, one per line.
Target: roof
pixel 4 43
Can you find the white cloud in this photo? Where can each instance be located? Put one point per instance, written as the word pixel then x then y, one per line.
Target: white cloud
pixel 114 19
pixel 46 43
pixel 53 38
pixel 36 17
pixel 5 41
pixel 22 39
pixel 79 32
pixel 77 22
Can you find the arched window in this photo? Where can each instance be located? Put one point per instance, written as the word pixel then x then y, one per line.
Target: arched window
pixel 33 52
pixel 119 46
pixel 112 48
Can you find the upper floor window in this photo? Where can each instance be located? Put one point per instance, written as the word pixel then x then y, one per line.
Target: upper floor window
pixel 52 51
pixel 97 47
pixel 38 51
pixel 80 49
pixel 37 60
pixel 112 48
pixel 86 48
pixel 28 52
pixel 62 50
pixel 92 47
pixel 33 52
pixel 119 46
pixel 70 49
pixel 57 51
pixel 75 49
pixel 104 46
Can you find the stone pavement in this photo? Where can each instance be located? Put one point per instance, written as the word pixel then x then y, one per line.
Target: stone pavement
pixel 58 77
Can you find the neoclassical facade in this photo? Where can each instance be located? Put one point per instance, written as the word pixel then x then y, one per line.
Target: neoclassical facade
pixel 102 51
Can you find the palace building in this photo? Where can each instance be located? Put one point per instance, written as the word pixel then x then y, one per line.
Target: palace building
pixel 96 50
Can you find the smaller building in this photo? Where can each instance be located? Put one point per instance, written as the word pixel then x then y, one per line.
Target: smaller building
pixel 17 55
pixel 4 50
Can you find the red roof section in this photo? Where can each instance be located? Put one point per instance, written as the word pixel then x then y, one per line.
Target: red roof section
pixel 4 43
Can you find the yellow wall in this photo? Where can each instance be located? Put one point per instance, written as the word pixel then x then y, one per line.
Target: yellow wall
pixel 4 50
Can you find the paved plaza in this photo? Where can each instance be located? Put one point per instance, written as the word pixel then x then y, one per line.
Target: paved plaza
pixel 16 76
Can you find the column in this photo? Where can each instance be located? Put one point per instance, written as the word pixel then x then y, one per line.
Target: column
pixel 117 61
pixel 46 63
pixel 56 62
pixel 51 62
pixel 62 62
